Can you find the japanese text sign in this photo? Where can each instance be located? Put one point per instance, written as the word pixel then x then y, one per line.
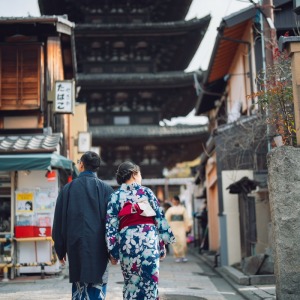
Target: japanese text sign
pixel 64 97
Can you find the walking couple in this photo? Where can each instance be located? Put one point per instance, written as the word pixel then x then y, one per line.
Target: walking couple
pixel 93 224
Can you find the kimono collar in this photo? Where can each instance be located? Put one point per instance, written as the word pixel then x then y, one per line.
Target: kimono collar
pixel 128 187
pixel 87 173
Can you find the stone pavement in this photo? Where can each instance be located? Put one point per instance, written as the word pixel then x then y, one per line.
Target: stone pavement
pixel 251 292
pixel 178 281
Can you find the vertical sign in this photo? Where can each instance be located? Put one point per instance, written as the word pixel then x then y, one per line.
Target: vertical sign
pixel 64 97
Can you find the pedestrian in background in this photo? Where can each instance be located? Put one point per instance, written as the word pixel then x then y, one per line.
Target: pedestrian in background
pixel 180 224
pixel 166 206
pixel 137 232
pixel 204 227
pixel 79 230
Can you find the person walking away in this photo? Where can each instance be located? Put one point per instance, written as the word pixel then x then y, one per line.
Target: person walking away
pixel 166 206
pixel 180 224
pixel 79 230
pixel 137 232
pixel 204 222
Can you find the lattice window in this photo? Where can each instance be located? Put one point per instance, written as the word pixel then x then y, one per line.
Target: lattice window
pixel 20 73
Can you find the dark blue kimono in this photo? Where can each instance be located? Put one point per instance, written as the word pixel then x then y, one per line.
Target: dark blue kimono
pixel 79 227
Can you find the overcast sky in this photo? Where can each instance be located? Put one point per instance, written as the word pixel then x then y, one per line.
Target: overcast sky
pixel 199 8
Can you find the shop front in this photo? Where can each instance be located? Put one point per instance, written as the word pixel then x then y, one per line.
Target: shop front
pixel 29 186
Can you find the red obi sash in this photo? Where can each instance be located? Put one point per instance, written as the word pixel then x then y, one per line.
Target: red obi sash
pixel 130 215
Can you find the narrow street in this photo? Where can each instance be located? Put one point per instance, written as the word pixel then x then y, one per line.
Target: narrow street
pixel 178 281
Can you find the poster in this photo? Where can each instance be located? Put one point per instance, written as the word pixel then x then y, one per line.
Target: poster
pixel 45 201
pixel 24 202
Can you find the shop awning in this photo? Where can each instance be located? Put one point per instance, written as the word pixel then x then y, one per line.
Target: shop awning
pixel 32 161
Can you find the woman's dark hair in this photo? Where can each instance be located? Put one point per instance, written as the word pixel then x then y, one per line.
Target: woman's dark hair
pixel 91 161
pixel 176 198
pixel 125 171
pixel 29 203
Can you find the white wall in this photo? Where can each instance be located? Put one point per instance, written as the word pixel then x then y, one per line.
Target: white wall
pixel 231 210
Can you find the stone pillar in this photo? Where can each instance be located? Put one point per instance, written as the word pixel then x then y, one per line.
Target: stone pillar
pixel 284 192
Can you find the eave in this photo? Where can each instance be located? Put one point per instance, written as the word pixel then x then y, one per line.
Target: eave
pixel 167 35
pixel 152 29
pixel 232 27
pixel 138 134
pixel 58 24
pixel 133 81
pixel 229 38
pixel 169 10
pixel 178 143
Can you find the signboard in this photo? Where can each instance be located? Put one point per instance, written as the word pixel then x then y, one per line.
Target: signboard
pixel 64 96
pixel 84 141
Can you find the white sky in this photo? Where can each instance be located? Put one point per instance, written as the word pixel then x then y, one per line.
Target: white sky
pixel 199 8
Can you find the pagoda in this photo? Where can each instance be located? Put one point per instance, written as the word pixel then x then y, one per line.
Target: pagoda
pixel 131 57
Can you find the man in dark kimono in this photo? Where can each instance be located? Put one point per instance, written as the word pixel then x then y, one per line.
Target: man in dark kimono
pixel 79 230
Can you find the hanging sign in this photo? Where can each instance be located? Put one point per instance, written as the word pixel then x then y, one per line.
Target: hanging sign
pixel 64 96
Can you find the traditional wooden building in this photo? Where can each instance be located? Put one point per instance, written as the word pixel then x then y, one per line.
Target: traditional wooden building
pixel 131 59
pixel 235 160
pixel 35 52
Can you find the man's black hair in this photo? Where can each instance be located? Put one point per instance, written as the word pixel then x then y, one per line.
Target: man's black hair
pixel 91 161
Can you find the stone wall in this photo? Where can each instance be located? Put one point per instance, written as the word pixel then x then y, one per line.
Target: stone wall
pixel 284 192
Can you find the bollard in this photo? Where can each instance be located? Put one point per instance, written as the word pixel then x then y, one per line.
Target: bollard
pixel 5 274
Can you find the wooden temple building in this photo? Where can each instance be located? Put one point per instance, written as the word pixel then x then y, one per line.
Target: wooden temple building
pixel 131 57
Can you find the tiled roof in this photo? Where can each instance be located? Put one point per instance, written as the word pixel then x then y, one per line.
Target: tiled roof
pixel 154 80
pixel 149 27
pixel 146 131
pixel 19 143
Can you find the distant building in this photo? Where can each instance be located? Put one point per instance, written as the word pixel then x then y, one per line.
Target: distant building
pixel 131 57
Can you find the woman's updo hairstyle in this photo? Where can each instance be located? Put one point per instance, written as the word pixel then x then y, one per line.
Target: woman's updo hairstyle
pixel 125 171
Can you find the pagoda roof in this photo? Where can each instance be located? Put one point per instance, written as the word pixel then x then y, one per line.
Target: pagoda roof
pixel 167 10
pixel 182 82
pixel 138 80
pixel 151 28
pixel 187 139
pixel 179 40
pixel 152 133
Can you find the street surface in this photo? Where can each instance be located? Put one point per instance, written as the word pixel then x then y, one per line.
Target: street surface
pixel 178 281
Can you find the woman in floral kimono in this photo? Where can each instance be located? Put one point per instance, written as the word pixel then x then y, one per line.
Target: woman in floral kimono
pixel 136 233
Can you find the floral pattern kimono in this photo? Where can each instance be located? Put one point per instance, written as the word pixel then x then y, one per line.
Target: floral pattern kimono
pixel 138 247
